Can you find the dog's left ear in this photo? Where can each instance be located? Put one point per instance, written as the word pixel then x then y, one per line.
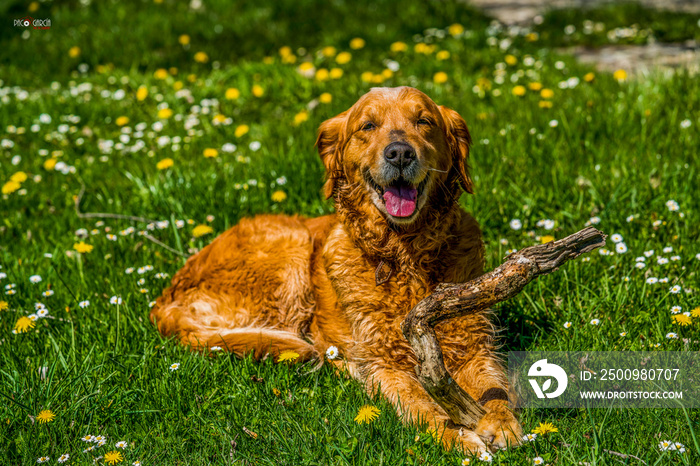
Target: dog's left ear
pixel 329 143
pixel 458 141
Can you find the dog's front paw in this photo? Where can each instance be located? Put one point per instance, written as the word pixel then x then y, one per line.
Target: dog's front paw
pixel 499 427
pixel 465 440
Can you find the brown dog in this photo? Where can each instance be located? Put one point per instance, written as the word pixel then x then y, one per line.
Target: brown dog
pixel 396 164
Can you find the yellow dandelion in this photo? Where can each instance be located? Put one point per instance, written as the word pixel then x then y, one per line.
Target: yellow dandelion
pixel 545 104
pixel 268 60
pixel 545 428
pixel 165 163
pixel 34 6
pixel 113 457
pixel 532 37
pixel 681 319
pixel 336 73
pixel 325 98
pixel 357 43
pixel 440 77
pixel 535 86
pixel 83 248
pixel 519 91
pixel 219 118
pixel 511 60
pixel 442 55
pixel 284 51
pixel 343 58
pixel 122 120
pixel 695 312
pixel 165 113
pixel 141 93
pixel 546 239
pixel 589 77
pixel 367 414
pixel 301 117
pixel 74 52
pixel 620 75
pixel 328 51
pixel 232 93
pixel 177 85
pixel 210 153
pixel 241 130
pixel 23 324
pixel 192 77
pixel 455 29
pixel 201 57
pixel 288 356
pixel 3 305
pixel 279 196
pixel 10 187
pixel 258 91
pixel 546 93
pixel 322 74
pixel 184 39
pixel 276 392
pixel 399 47
pixel 50 164
pixel 160 73
pixel 289 59
pixel 19 177
pixel 367 76
pixel 201 230
pixel 45 416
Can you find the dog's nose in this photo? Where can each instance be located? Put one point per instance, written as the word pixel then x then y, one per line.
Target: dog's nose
pixel 399 154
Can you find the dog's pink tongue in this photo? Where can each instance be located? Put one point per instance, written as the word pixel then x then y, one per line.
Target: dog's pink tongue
pixel 401 201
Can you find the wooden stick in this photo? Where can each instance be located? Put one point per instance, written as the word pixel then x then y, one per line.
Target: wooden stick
pixel 451 300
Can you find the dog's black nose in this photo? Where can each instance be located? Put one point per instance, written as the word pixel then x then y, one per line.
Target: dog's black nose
pixel 399 154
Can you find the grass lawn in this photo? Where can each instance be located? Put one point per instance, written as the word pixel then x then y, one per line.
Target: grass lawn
pixel 190 117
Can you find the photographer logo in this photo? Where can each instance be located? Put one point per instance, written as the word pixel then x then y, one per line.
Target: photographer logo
pixel 541 369
pixel 36 23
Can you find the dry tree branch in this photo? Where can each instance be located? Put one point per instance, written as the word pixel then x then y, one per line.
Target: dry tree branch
pixel 450 300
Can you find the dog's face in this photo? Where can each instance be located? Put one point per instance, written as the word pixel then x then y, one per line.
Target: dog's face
pixel 395 147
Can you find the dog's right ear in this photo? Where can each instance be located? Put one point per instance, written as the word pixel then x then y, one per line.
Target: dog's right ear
pixel 330 143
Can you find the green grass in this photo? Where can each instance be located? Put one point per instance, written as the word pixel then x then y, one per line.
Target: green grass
pixel 618 149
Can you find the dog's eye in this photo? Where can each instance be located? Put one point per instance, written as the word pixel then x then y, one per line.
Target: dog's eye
pixel 369 126
pixel 423 121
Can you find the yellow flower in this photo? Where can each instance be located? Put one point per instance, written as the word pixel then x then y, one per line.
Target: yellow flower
pixel 49 164
pixel 532 37
pixel 442 55
pixel 184 39
pixel 141 93
pixel 325 98
pixel 10 187
pixel 191 77
pixel 336 73
pixel 545 104
pixel 160 73
pixel 695 312
pixel 322 74
pixel 220 118
pixel 3 305
pixel 165 163
pixel 23 324
pixel 440 77
pixel 455 29
pixel 328 51
pixel 288 356
pixel 511 60
pixel 74 52
pixel 258 91
pixel 620 75
pixel 399 47
pixel 289 59
pixel 165 113
pixel 357 43
pixel 45 416
pixel 546 239
pixel 424 48
pixel 201 230
pixel 367 414
pixel 34 6
pixel 83 248
pixel 285 51
pixel 301 117
pixel 546 93
pixel 241 130
pixel 268 60
pixel 201 57
pixel 484 83
pixel 113 457
pixel 545 428
pixel 519 91
pixel 210 153
pixel 276 392
pixel 681 319
pixel 279 196
pixel 535 86
pixel 343 58
pixel 588 77
pixel 122 120
pixel 232 93
pixel 19 177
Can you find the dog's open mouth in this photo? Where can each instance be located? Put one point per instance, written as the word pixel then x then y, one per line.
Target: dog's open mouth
pixel 400 196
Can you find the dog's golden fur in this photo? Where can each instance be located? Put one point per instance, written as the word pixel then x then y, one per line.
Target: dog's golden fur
pixel 274 283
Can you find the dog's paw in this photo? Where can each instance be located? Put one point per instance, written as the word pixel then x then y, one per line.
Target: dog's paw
pixel 467 441
pixel 499 428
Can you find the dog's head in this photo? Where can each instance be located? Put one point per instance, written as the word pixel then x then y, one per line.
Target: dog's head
pixel 398 149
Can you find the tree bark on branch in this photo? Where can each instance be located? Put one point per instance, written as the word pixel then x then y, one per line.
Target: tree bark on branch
pixel 450 300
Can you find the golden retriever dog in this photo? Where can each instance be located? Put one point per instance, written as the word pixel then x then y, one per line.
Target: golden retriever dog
pixel 396 165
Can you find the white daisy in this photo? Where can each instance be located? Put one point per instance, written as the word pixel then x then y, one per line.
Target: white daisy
pixel 665 445
pixel 87 438
pixel 630 218
pixel 649 253
pixel 129 270
pixel 529 437
pixel 174 366
pixel 661 261
pixel 215 348
pixel 64 458
pixel 616 238
pixel 43 459
pixel 675 289
pixel 593 221
pixel 623 334
pixel 115 300
pixel 567 324
pixel 676 309
pixel 675 258
pixel 620 248
pixel 668 249
pixel 663 280
pixel 640 265
pixel 672 335
pixel 84 304
pixel 42 313
pixel 516 224
pixel 672 205
pixel 595 321
pixel 47 293
pixel 120 444
pixel 537 461
pixel 652 280
pixel 35 278
pixel 332 352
